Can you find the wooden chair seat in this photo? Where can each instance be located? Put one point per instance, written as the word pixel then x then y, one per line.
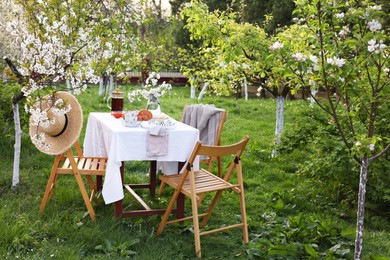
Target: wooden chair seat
pixel 205 181
pixel 78 165
pixel 86 165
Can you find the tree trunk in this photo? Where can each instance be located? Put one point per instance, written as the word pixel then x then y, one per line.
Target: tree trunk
pixel 361 203
pixel 101 83
pixel 18 137
pixel 279 122
pixel 111 82
pixel 204 89
pixel 193 92
pixel 68 85
pixel 246 89
pixel 107 92
pixel 193 88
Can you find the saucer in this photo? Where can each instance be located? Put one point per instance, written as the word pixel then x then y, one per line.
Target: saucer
pixel 134 124
pixel 165 123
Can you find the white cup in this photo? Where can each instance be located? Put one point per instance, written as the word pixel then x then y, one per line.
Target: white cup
pixel 131 117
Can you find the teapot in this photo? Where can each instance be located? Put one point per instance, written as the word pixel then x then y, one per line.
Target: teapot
pixel 116 107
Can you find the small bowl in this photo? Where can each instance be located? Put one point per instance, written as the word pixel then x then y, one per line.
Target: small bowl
pixel 117 114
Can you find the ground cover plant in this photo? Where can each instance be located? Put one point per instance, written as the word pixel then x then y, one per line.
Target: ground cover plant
pixel 293 212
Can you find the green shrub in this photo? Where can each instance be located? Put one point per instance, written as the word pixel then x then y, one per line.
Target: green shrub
pixel 330 164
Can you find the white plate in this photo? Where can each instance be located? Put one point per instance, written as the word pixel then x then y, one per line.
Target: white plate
pixel 135 124
pixel 166 123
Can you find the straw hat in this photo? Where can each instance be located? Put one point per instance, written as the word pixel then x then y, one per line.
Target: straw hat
pixel 61 135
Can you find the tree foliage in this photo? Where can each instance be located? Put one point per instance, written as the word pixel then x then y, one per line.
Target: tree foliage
pixel 345 52
pixel 276 13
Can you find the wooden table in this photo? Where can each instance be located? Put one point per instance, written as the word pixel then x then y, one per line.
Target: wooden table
pixel 107 136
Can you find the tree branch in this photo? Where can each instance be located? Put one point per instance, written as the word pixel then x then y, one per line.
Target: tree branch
pixel 21 79
pixel 379 154
pixel 14 70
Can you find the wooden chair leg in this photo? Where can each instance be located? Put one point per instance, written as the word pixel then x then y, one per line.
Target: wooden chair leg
pixel 242 204
pixel 161 189
pixel 49 190
pixel 84 193
pixel 92 186
pixel 245 235
pixel 167 213
pixel 195 218
pixel 51 183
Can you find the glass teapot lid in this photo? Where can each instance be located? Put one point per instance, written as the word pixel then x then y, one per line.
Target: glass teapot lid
pixel 117 93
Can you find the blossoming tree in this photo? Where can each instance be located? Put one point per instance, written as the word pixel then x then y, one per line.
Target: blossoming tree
pixel 344 53
pixel 55 41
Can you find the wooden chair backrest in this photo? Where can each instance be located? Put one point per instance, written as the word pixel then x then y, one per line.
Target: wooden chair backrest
pixel 217 141
pixel 214 151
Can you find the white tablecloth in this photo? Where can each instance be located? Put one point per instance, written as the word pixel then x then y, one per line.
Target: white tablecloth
pixel 106 136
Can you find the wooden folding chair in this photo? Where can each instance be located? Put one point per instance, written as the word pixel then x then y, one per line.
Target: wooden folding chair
pixel 209 161
pixel 193 183
pixel 78 165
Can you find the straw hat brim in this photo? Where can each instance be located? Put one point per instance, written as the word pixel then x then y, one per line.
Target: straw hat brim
pixel 69 134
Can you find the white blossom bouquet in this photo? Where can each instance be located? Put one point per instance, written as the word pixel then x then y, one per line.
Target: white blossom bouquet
pixel 150 91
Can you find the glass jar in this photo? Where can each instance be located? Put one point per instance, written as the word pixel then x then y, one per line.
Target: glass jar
pixel 116 107
pixel 153 106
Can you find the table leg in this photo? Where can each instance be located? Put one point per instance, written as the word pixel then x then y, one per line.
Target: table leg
pixel 99 183
pixel 118 208
pixel 153 178
pixel 180 206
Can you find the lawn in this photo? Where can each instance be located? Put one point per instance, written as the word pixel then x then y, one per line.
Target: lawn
pixel 289 216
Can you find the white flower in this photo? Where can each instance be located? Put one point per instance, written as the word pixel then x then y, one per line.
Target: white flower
pixel 344 32
pixel 375 7
pixel 339 15
pixel 373 46
pixel 150 91
pixel 371 146
pixel 357 143
pixel 336 61
pixel 374 25
pixel 299 57
pixel 276 46
pixel 339 62
pixel 313 59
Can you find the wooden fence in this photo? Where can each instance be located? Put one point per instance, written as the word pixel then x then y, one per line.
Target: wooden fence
pixel 174 78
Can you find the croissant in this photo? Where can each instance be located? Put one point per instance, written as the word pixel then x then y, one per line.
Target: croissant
pixel 144 115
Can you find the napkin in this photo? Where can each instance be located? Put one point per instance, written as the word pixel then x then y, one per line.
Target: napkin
pixel 157 141
pixel 156 130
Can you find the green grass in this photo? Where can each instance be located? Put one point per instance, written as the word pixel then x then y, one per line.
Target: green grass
pixel 285 211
